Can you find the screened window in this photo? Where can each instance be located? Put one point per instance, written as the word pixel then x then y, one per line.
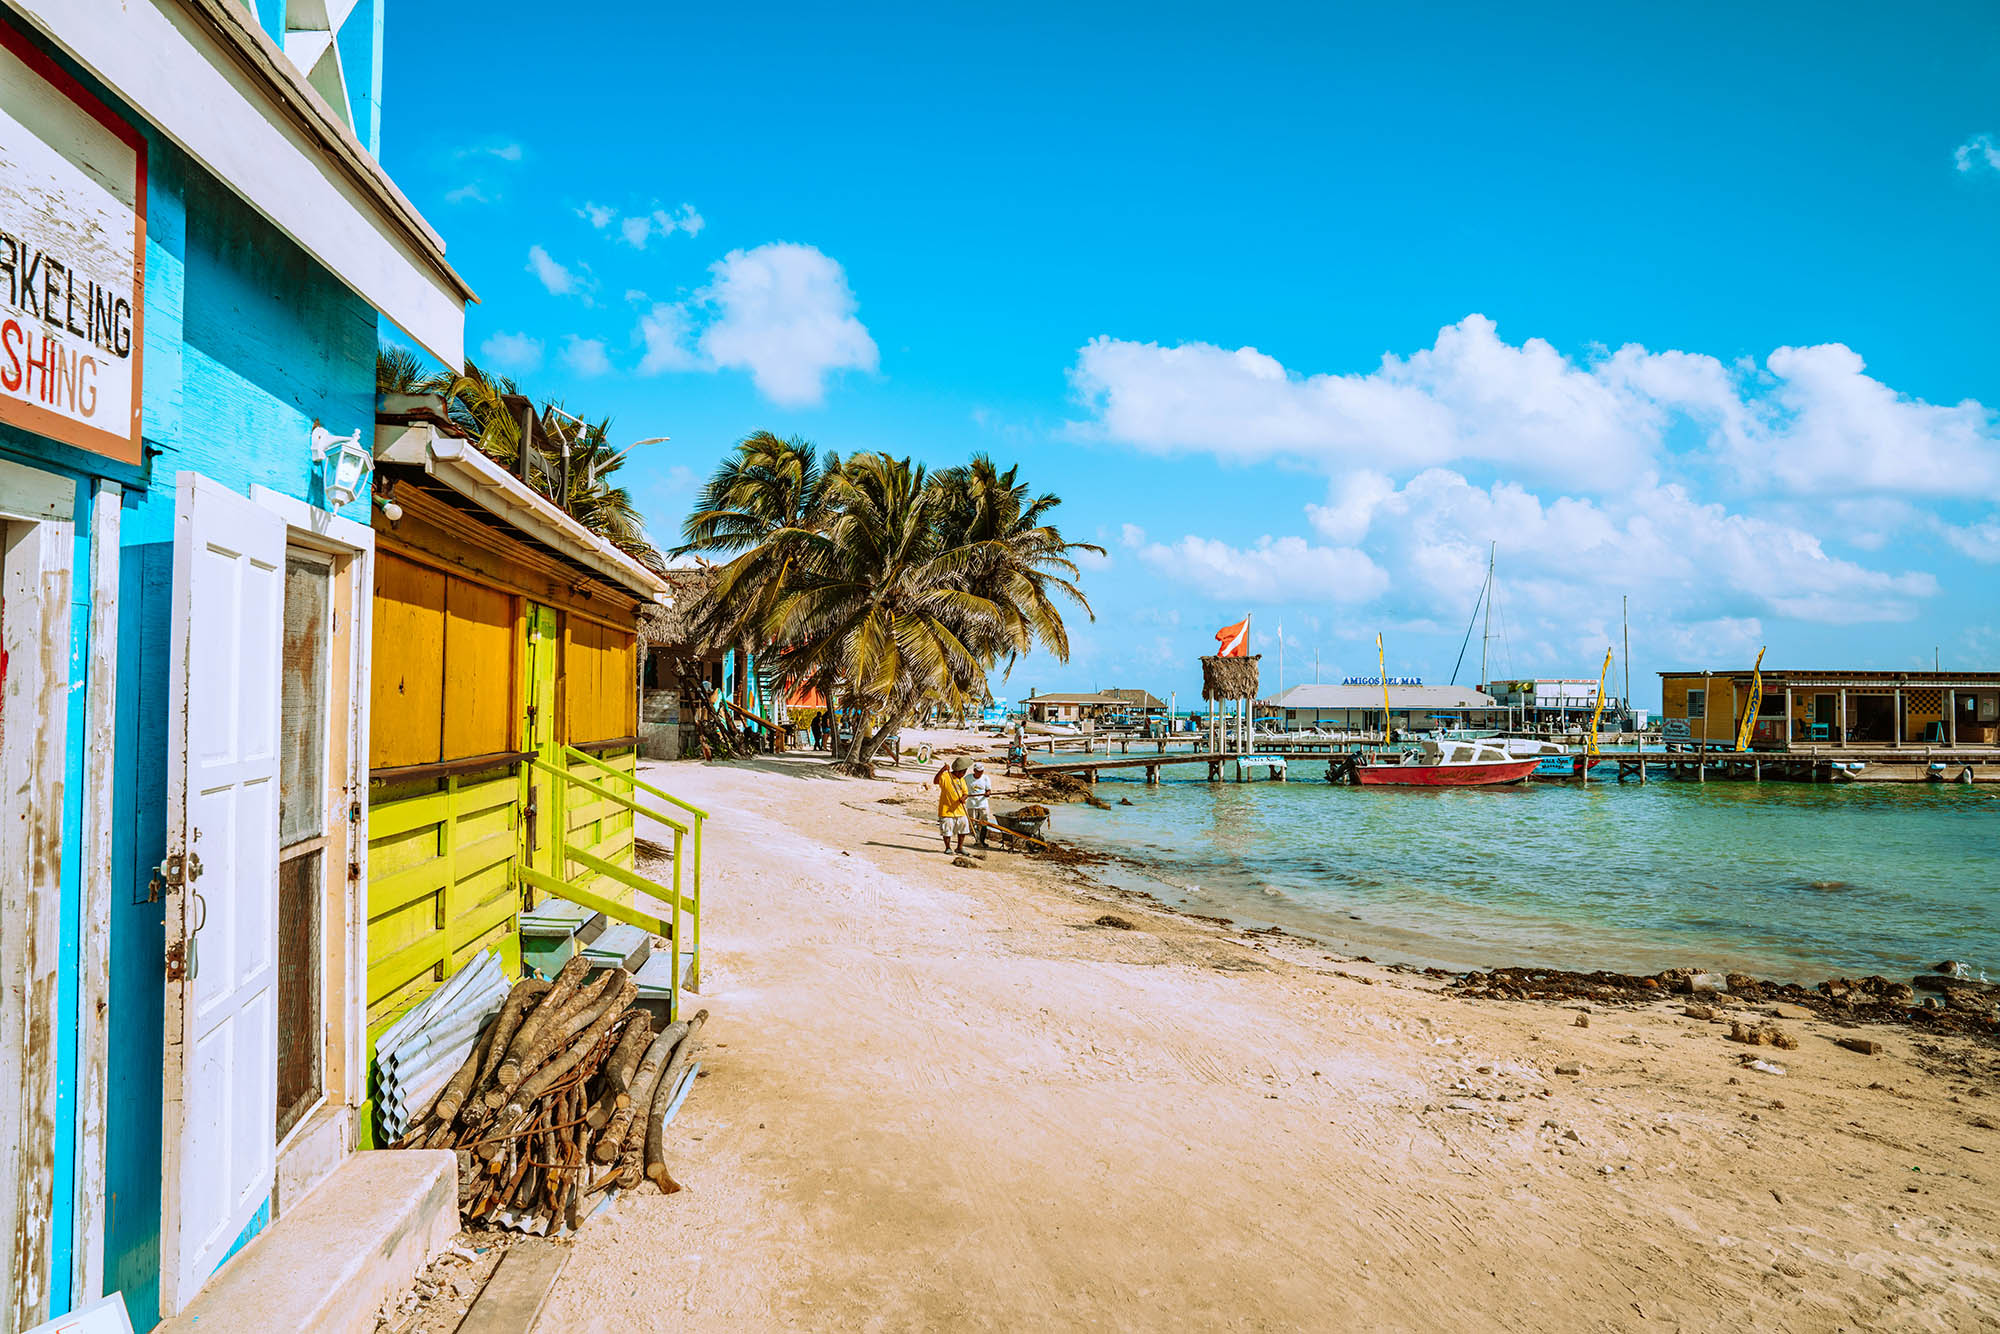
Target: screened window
pixel 1697 704
pixel 302 759
pixel 306 675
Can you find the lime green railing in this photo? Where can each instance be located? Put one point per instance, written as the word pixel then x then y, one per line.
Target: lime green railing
pixel 682 926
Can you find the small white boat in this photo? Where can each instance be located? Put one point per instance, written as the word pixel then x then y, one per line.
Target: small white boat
pixel 1448 764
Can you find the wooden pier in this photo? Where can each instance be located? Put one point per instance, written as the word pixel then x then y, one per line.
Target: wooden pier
pixel 1815 764
pixel 1087 769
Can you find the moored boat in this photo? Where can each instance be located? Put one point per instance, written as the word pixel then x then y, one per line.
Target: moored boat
pixel 1449 764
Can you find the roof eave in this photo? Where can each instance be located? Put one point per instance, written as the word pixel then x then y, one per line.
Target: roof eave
pixel 462 466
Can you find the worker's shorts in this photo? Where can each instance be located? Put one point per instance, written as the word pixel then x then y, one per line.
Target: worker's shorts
pixel 954 826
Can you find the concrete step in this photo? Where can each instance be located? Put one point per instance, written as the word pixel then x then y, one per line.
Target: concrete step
pixel 330 1261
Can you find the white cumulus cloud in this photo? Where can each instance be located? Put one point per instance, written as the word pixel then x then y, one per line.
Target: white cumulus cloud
pixel 636 229
pixel 585 356
pixel 559 279
pixel 1831 429
pixel 785 313
pixel 663 332
pixel 1978 153
pixel 1273 569
pixel 1810 421
pixel 1978 541
pixel 511 351
pixel 1651 539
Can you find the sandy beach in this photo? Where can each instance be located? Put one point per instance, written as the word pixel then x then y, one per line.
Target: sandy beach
pixel 1005 1097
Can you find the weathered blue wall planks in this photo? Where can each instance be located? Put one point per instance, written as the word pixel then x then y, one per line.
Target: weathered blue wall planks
pixel 248 341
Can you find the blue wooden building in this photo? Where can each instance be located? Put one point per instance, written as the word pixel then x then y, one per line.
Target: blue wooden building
pixel 197 253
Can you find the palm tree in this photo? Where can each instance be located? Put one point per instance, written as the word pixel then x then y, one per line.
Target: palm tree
pixel 492 411
pixel 909 588
pixel 765 485
pixel 592 499
pixel 760 499
pixel 1020 559
pixel 399 370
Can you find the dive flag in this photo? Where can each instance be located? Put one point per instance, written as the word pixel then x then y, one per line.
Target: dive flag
pixel 1233 641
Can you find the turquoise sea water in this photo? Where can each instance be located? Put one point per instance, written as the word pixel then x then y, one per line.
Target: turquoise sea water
pixel 1790 881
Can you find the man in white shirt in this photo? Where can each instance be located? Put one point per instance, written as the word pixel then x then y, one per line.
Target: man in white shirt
pixel 979 800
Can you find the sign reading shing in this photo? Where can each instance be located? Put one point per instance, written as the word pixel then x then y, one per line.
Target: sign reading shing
pixel 72 258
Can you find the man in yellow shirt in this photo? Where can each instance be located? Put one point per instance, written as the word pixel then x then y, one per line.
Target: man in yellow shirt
pixel 952 823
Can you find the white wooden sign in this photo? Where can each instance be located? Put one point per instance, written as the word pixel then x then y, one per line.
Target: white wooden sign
pixel 72 258
pixel 106 1315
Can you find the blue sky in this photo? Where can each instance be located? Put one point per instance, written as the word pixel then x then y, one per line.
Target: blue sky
pixel 1297 309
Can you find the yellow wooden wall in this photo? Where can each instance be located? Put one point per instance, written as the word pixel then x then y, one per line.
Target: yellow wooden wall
pixel 447 685
pixel 600 698
pixel 406 680
pixel 445 667
pixel 1721 716
pixel 440 883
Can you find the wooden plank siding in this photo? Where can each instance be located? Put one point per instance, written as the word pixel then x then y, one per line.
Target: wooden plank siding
pixel 600 699
pixel 440 887
pixel 482 628
pixel 406 678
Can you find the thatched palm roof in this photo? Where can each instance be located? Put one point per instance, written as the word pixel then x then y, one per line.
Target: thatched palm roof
pixel 673 627
pixel 1229 678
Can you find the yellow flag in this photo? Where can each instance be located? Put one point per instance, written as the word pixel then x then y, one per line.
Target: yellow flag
pixel 1590 745
pixel 1383 663
pixel 1756 700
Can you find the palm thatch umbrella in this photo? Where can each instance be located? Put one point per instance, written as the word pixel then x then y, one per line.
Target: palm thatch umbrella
pixel 1229 678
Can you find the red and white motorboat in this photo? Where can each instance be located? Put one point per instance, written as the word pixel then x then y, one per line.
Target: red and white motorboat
pixel 1475 763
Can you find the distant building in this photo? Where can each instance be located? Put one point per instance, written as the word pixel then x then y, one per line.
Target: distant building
pixel 1838 708
pixel 1358 708
pixel 1095 707
pixel 1140 703
pixel 1553 701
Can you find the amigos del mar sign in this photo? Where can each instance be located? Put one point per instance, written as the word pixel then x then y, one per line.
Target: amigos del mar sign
pixel 72 258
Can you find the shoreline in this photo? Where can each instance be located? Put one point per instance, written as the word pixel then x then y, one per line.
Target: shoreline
pixel 1959 1008
pixel 940 1096
pixel 1445 931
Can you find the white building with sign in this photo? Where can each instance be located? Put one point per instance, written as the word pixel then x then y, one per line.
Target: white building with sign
pixel 197 250
pixel 1357 707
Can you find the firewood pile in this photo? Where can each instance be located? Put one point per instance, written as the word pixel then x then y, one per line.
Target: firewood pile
pixel 565 1095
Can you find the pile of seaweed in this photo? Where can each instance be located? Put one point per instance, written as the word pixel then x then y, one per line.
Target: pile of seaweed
pixel 1059 788
pixel 1951 1003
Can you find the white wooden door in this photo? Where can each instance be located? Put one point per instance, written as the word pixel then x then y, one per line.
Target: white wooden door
pixel 220 1103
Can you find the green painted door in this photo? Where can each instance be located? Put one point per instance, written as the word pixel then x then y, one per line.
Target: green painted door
pixel 538 734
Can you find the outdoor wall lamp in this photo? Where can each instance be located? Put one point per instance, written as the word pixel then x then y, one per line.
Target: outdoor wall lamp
pixel 351 462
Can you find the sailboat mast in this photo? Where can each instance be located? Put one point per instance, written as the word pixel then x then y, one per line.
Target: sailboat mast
pixel 1486 633
pixel 1625 625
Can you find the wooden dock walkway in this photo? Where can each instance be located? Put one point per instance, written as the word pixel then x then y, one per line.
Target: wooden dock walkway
pixel 1819 764
pixel 1087 769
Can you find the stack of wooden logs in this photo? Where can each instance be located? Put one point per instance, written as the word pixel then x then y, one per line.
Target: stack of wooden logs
pixel 564 1096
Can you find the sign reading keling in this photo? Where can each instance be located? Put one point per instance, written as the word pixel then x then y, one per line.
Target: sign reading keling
pixel 72 258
